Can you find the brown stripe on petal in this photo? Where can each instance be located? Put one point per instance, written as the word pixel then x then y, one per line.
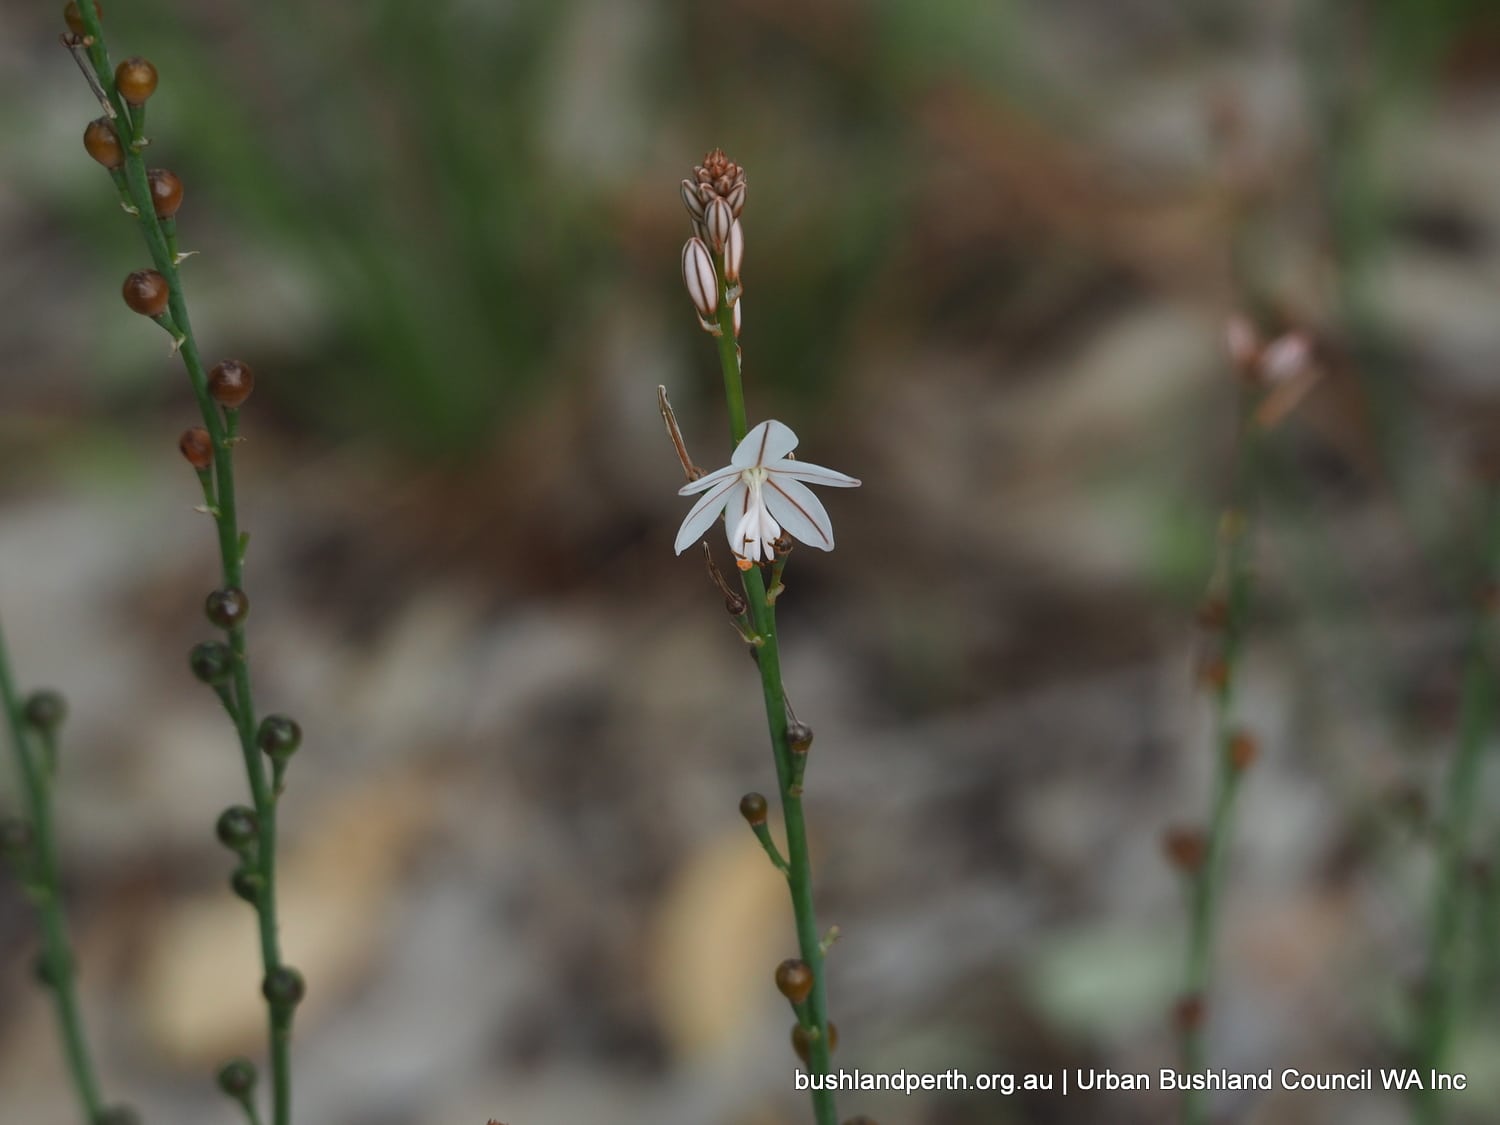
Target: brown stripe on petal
pixel 799 508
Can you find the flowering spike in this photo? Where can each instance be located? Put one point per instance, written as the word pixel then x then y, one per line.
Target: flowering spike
pixel 699 277
pixel 734 253
pixel 718 220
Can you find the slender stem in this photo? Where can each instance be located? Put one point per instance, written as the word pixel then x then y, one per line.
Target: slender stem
pixel 813 1016
pixel 1206 884
pixel 1445 967
pixel 44 889
pixel 222 431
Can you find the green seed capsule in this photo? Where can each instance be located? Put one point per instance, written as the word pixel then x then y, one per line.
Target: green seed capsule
pixel 279 736
pixel 227 607
pixel 284 987
pixel 753 809
pixel 237 828
pixel 45 711
pixel 237 1077
pixel 211 662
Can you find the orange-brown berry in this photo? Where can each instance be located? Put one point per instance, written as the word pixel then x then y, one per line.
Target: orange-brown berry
pixel 102 143
pixel 753 809
pixel 1185 848
pixel 166 192
pixel 1243 750
pixel 197 447
pixel 230 383
pixel 794 980
pixel 146 292
pixel 802 1039
pixel 136 80
pixel 74 17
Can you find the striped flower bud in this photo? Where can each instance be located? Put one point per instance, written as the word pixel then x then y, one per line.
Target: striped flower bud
pixel 699 277
pixel 737 306
pixel 692 201
pixel 734 253
pixel 717 221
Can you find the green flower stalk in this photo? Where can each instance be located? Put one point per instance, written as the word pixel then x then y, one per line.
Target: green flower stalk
pixel 29 847
pixel 763 496
pixel 1272 380
pixel 1454 892
pixel 153 197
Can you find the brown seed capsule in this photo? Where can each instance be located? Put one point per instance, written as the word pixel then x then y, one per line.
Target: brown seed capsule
pixel 1188 1012
pixel 136 80
pixel 1243 750
pixel 1185 848
pixel 861 1120
pixel 231 382
pixel 74 17
pixel 802 1039
pixel 799 736
pixel 102 143
pixel 794 980
pixel 1214 673
pixel 227 607
pixel 197 447
pixel 753 809
pixel 146 292
pixel 166 192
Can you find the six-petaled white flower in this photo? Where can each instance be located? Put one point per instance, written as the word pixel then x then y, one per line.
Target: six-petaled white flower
pixel 761 493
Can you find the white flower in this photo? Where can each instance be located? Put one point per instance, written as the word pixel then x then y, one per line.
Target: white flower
pixel 761 495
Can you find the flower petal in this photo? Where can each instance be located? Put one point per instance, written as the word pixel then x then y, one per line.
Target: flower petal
pixel 799 511
pixel 708 480
pixel 767 442
pixel 813 474
pixel 704 512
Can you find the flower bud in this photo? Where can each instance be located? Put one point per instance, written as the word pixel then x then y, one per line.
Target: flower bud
pixel 1213 673
pixel 692 201
pixel 74 17
pixel 717 221
pixel 166 192
pixel 135 78
pixel 1285 358
pixel 699 277
pixel 45 710
pixel 861 1120
pixel 117 1115
pixel 237 1077
pixel 197 447
pixel 146 292
pixel 238 827
pixel 1243 750
pixel 753 809
pixel 230 383
pixel 102 143
pixel 283 987
pixel 737 318
pixel 794 980
pixel 1242 342
pixel 736 198
pixel 1185 849
pixel 227 607
pixel 211 662
pixel 1188 1012
pixel 734 253
pixel 279 736
pixel 802 1039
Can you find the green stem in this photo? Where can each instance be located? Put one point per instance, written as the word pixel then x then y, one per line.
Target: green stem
pixel 45 892
pixel 1206 885
pixel 221 430
pixel 814 1015
pixel 1444 983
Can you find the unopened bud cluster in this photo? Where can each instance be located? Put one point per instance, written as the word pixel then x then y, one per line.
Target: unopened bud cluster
pixel 714 198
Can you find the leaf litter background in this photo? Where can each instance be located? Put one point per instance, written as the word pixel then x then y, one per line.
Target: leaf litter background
pixel 989 263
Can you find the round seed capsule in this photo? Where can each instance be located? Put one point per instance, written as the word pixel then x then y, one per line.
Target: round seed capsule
pixel 237 1077
pixel 197 447
pixel 799 736
pixel 74 17
pixel 284 986
pixel 753 809
pixel 227 607
pixel 237 827
pixel 146 292
pixel 211 662
pixel 135 78
pixel 166 192
pixel 45 710
pixel 279 736
pixel 230 383
pixel 794 980
pixel 246 884
pixel 802 1039
pixel 118 1115
pixel 102 143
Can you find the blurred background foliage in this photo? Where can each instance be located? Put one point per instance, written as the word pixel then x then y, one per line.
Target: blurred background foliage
pixel 991 247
